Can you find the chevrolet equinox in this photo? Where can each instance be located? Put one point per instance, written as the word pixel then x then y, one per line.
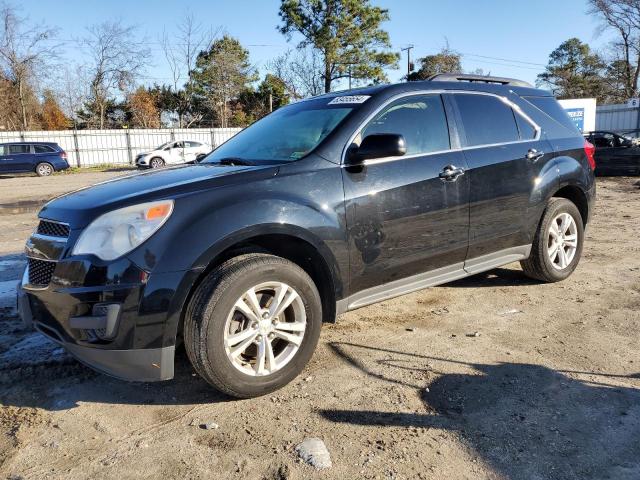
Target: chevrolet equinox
pixel 324 206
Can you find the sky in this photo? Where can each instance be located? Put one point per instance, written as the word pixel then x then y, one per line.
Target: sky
pixel 505 38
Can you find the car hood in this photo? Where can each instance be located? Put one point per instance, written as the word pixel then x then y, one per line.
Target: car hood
pixel 81 207
pixel 149 152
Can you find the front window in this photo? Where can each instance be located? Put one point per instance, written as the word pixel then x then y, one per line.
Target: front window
pixel 420 119
pixel 287 134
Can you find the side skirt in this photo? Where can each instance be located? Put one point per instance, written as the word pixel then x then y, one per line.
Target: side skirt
pixel 432 278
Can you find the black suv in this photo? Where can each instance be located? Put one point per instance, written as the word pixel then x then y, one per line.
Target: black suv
pixel 324 206
pixel 615 154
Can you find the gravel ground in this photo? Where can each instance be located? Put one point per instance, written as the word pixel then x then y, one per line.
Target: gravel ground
pixel 494 376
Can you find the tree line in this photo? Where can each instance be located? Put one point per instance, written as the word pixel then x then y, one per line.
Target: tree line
pixel 214 83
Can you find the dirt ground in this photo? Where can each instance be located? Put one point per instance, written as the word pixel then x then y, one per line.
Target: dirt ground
pixel 494 376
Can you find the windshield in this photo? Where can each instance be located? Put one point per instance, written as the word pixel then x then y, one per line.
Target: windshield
pixel 164 145
pixel 287 134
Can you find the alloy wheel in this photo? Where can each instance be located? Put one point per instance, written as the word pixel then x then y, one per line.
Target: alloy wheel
pixel 265 328
pixel 44 170
pixel 562 241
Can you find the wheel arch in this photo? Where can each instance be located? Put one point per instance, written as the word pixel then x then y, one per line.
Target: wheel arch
pixel 578 197
pixel 292 243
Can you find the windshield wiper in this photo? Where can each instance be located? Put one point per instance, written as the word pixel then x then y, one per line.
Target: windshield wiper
pixel 235 161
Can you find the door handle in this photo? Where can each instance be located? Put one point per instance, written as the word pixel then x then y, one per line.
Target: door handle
pixel 450 173
pixel 534 155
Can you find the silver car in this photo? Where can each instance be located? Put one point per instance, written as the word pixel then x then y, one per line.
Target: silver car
pixel 170 153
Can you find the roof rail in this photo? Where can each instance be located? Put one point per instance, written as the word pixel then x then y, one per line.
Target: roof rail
pixel 462 77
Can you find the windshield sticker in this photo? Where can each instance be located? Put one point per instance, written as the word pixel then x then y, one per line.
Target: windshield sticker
pixel 349 99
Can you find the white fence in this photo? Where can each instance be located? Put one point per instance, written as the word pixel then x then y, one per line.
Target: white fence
pixel 618 118
pixel 96 147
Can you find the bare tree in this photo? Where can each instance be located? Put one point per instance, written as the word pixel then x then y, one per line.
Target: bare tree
pixel 117 58
pixel 301 70
pixel 181 53
pixel 623 17
pixel 72 91
pixel 25 52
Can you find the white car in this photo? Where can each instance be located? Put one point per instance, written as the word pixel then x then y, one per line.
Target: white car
pixel 170 153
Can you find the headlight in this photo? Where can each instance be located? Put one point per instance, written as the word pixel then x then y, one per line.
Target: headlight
pixel 115 233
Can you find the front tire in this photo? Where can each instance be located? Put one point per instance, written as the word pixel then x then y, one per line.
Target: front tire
pixel 156 162
pixel 253 324
pixel 44 169
pixel 557 245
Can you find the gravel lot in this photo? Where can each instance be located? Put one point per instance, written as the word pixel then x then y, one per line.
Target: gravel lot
pixel 494 376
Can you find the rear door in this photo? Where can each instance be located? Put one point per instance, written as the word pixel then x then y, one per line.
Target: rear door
pixel 504 153
pixel 20 158
pixel 191 149
pixel 404 218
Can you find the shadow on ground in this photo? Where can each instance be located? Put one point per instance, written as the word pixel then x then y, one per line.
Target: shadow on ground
pixel 526 421
pixel 64 385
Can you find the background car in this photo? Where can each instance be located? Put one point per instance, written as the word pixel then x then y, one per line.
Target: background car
pixel 182 151
pixel 615 154
pixel 43 158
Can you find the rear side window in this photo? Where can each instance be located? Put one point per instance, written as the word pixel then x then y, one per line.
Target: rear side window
pixel 43 149
pixel 13 149
pixel 551 107
pixel 486 120
pixel 420 119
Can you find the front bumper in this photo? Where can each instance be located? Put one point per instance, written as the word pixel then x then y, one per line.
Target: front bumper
pixel 145 364
pixel 72 307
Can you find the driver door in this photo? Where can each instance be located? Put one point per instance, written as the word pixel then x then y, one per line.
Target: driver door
pixel 404 216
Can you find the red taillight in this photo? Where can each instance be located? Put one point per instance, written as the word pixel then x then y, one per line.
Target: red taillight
pixel 589 150
pixel 63 154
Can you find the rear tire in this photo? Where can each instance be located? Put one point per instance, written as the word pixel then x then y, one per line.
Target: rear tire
pixel 156 162
pixel 557 245
pixel 239 345
pixel 44 169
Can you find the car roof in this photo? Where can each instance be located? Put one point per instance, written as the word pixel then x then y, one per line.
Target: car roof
pixel 441 85
pixel 26 142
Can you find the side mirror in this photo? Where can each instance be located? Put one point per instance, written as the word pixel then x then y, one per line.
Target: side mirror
pixel 380 145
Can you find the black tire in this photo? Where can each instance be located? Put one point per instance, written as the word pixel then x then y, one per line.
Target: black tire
pixel 211 304
pixel 156 162
pixel 44 169
pixel 539 266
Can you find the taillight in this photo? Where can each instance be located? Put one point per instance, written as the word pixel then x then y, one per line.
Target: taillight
pixel 590 150
pixel 63 154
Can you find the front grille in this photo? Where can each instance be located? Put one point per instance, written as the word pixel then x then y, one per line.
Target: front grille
pixel 40 272
pixel 53 229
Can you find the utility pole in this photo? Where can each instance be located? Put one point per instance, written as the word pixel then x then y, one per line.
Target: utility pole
pixel 408 50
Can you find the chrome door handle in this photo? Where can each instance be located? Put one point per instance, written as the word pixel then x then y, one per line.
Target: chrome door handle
pixel 450 173
pixel 534 155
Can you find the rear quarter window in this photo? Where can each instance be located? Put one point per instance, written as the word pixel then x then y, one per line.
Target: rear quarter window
pixel 553 109
pixel 43 149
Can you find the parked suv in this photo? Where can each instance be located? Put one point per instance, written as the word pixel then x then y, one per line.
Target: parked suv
pixel 615 154
pixel 43 158
pixel 183 151
pixel 324 206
